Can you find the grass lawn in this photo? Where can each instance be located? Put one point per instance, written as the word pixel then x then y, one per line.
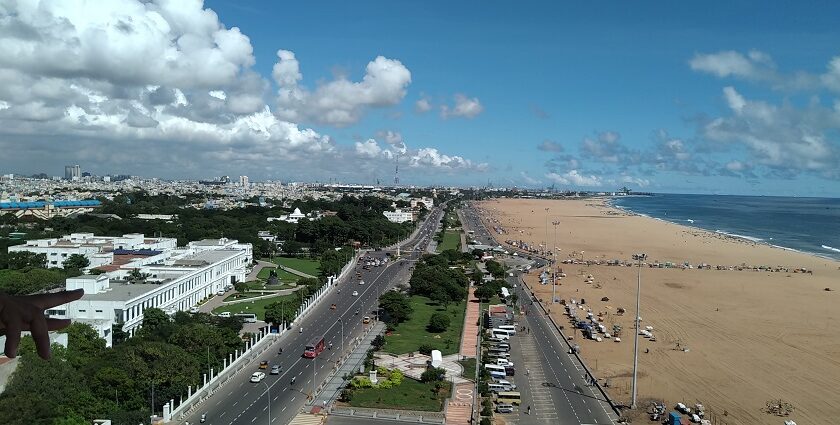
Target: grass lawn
pixel 410 395
pixel 469 368
pixel 451 240
pixel 305 265
pixel 258 306
pixel 282 275
pixel 257 285
pixel 408 336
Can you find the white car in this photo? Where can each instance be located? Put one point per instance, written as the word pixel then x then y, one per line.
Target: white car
pixel 257 377
pixel 193 310
pixel 355 293
pixel 361 282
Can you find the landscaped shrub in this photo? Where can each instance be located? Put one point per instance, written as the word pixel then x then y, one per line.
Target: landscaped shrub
pixel 439 322
pixel 396 377
pixel 485 421
pixel 425 349
pixel 361 382
pixel 433 374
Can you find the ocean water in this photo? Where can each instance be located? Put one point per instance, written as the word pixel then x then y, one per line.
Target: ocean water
pixel 810 225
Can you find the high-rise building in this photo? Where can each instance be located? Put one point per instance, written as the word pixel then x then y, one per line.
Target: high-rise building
pixel 243 181
pixel 72 172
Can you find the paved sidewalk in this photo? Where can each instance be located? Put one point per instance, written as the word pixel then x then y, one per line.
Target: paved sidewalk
pixel 459 408
pixel 332 388
pixel 414 366
pixel 469 338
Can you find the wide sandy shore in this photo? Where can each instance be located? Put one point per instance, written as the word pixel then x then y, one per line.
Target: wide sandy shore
pixel 745 337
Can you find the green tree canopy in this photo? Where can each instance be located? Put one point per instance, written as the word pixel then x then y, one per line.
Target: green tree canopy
pixel 438 322
pixel 76 261
pixel 396 307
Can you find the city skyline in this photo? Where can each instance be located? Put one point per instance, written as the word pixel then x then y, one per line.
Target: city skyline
pixel 713 98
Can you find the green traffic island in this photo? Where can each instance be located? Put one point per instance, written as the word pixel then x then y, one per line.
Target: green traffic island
pixel 303 265
pixel 451 240
pixel 273 309
pixel 280 275
pixel 431 325
pixel 468 366
pixel 396 392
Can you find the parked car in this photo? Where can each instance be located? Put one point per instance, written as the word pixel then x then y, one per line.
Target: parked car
pixel 257 377
pixel 504 408
pixel 193 310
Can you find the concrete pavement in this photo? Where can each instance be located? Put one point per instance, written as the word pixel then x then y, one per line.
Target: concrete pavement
pixel 350 365
pixel 414 365
pixel 245 403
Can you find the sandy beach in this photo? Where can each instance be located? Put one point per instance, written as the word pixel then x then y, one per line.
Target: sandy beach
pixel 745 337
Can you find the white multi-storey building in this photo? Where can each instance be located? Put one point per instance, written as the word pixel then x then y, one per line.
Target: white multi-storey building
pixel 99 250
pixel 399 215
pixel 174 280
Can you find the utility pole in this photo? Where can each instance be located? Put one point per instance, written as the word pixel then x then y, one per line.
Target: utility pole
pixel 639 258
pixel 554 283
pixel 545 247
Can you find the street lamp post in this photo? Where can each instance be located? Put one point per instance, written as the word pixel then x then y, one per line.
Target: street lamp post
pixel 545 248
pixel 554 266
pixel 639 258
pixel 268 393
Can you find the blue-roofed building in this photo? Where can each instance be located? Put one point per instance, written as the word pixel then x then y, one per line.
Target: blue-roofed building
pixel 48 209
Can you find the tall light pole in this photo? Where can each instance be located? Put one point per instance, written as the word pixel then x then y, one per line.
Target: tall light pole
pixel 554 266
pixel 639 258
pixel 268 393
pixel 313 378
pixel 546 231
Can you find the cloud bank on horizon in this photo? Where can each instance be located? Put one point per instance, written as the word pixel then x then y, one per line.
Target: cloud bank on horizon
pixel 778 141
pixel 166 87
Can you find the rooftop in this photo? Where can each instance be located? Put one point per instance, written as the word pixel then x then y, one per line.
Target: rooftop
pixel 122 291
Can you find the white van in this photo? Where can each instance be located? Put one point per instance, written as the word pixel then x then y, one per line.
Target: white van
pixel 494 368
pixel 495 388
pixel 224 314
pixel 496 374
pixel 509 386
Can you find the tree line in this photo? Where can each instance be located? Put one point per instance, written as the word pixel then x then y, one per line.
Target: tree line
pixel 87 381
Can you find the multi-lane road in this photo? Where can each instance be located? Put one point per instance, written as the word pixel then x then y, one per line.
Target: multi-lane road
pixel 551 381
pixel 241 402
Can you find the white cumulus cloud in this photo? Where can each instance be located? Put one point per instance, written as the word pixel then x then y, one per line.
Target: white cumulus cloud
pixel 465 107
pixel 340 102
pixel 573 177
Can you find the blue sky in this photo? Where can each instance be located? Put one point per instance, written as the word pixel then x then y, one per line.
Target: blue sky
pixel 715 97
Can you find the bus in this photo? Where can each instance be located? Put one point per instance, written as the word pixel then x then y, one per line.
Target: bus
pixel 511 397
pixel 247 317
pixel 510 328
pixel 314 348
pixel 501 334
